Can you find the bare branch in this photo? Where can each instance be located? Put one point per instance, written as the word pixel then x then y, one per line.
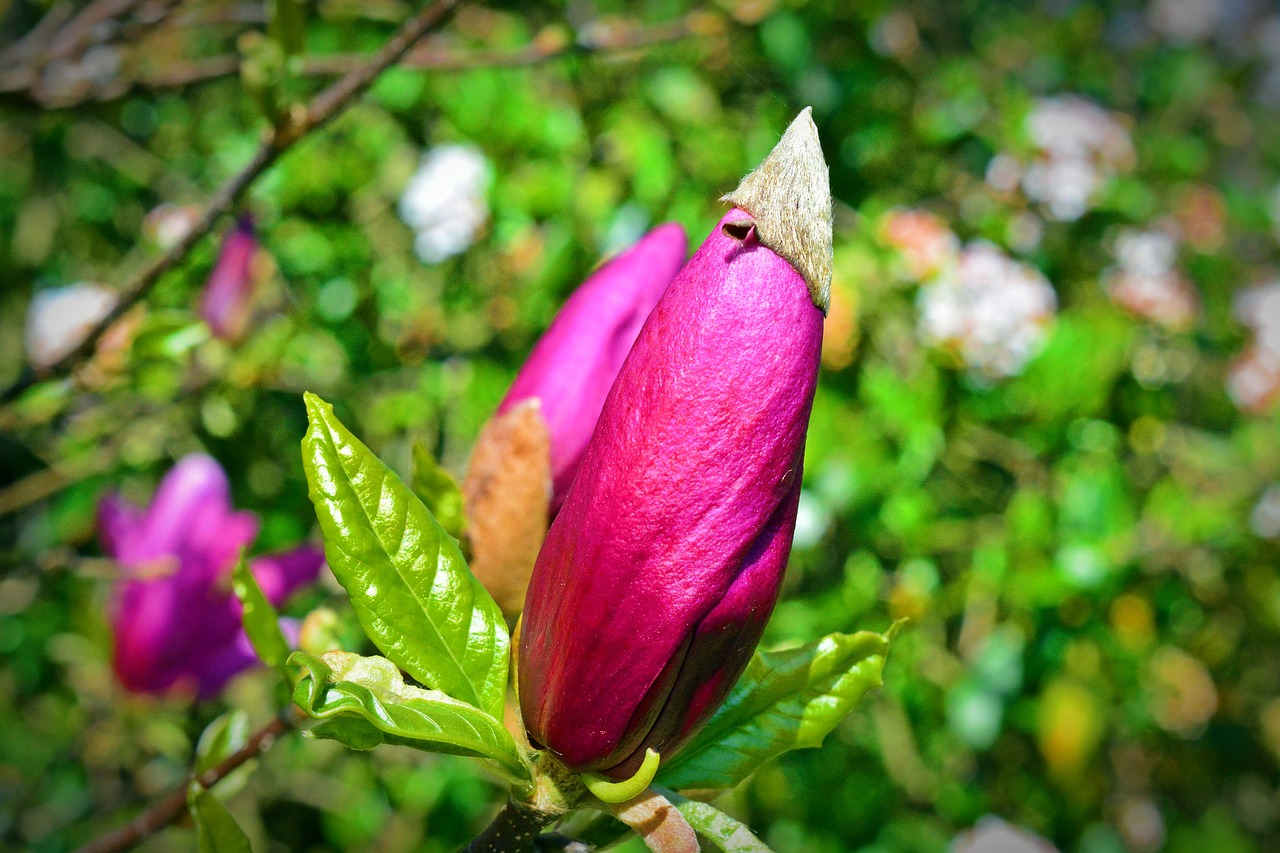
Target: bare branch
pixel 603 38
pixel 300 122
pixel 174 805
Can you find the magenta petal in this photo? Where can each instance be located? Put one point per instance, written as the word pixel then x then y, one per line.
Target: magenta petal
pixel 118 523
pixel 281 574
pixel 193 499
pixel 227 299
pixel 697 455
pixel 214 669
pixel 575 362
pixel 175 622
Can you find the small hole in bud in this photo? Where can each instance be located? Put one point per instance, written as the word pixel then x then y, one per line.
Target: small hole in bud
pixel 739 229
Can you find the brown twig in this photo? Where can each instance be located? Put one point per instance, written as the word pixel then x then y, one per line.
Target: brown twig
pixel 174 805
pixel 300 122
pixel 598 39
pixel 49 481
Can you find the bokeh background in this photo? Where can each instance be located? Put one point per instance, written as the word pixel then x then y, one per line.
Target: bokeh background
pixel 1044 430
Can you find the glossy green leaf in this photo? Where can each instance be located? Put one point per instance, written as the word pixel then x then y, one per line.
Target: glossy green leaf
pixel 221 739
pixel 785 700
pixel 216 829
pixel 259 618
pixel 363 702
pixel 437 490
pixel 731 836
pixel 408 582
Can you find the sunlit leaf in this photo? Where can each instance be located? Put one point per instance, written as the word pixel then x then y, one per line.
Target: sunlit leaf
pixel 729 835
pixel 785 700
pixel 259 618
pixel 408 582
pixel 363 702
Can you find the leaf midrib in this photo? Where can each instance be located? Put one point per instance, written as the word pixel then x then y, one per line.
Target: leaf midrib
pixel 475 698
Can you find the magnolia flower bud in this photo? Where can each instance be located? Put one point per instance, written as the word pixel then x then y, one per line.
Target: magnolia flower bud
pixel 527 456
pixel 227 299
pixel 175 621
pixel 657 577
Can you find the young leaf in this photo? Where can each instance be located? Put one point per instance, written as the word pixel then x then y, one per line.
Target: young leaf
pixel 222 738
pixel 729 835
pixel 364 702
pixel 216 829
pixel 408 582
pixel 437 489
pixel 785 700
pixel 258 617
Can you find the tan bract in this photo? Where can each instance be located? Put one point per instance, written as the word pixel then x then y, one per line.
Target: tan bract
pixel 789 198
pixel 507 491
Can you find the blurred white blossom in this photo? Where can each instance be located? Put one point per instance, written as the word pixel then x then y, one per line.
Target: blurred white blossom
pixel 446 201
pixel 1078 145
pixel 59 318
pixel 1184 20
pixel 1265 518
pixel 166 224
pixel 1254 378
pixel 1141 824
pixel 1146 282
pixel 993 835
pixel 991 311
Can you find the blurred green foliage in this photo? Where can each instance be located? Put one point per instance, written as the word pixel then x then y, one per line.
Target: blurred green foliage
pixel 1094 651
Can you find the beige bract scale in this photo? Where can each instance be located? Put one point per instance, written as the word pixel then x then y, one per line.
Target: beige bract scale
pixel 990 311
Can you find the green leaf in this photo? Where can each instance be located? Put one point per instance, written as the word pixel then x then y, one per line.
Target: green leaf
pixel 785 700
pixel 437 489
pixel 408 582
pixel 288 25
pixel 363 702
pixel 221 739
pixel 259 618
pixel 216 829
pixel 729 835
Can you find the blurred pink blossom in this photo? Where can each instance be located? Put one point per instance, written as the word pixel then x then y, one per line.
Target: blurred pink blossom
pixel 176 623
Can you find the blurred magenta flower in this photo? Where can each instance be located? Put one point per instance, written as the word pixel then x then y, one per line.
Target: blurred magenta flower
pixel 573 365
pixel 657 577
pixel 176 623
pixel 227 299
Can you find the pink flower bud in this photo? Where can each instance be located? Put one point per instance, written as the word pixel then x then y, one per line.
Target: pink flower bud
pixel 227 299
pixel 574 364
pixel 175 621
pixel 657 577
pixel 527 455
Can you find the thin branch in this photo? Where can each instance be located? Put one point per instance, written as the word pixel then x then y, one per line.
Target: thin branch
pixel 49 481
pixel 598 39
pixel 328 104
pixel 174 805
